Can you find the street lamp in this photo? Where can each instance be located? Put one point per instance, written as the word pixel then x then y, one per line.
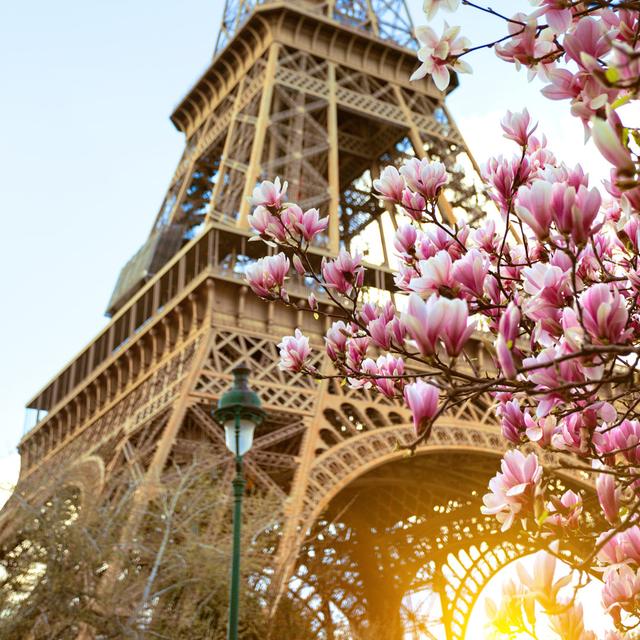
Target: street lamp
pixel 239 413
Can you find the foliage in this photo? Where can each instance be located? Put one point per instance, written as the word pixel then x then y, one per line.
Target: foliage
pixel 171 580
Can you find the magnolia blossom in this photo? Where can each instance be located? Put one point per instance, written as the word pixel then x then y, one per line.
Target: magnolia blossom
pixel 267 225
pixel 438 319
pixel 390 184
pixel 422 399
pixel 336 339
pixel 470 272
pixel 623 439
pixel 343 273
pixel 557 13
pixel 514 489
pixel 269 194
pixel 431 7
pixel 425 177
pixel 266 276
pixel 604 314
pixel 568 623
pixel 435 275
pixel 440 53
pixel 609 143
pixel 621 591
pixel 526 47
pixel 294 351
pixel 516 127
pixel 541 583
pixel 564 514
pixel 608 496
pixel 534 207
pixel 512 421
pixel 305 224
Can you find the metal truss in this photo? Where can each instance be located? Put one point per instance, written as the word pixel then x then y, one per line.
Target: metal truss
pixel 386 19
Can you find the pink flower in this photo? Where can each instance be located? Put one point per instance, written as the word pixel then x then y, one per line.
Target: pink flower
pixel 564 513
pixel 612 552
pixel 336 340
pixel 266 224
pixel 621 591
pixel 557 13
pixel 343 273
pixel 608 496
pixel 526 46
pixel 533 206
pixel 390 184
pixel 505 175
pixel 604 314
pixel 422 400
pixel 306 224
pixel 269 194
pixel 426 178
pixel 389 365
pixel 440 53
pixel 609 143
pixel 438 319
pixel 575 212
pixel 572 329
pixel 356 351
pixel 623 439
pixel 471 271
pixel 266 276
pixel 630 540
pixel 505 358
pixel 516 127
pixel 589 38
pixel 541 584
pixel 435 275
pixel 568 623
pixel 509 325
pixel 430 7
pixel 413 204
pixel 513 490
pixel 424 322
pixel 294 350
pixel 541 431
pixel 511 421
pixel 455 330
pixel 632 230
pixel 564 85
pixel 405 241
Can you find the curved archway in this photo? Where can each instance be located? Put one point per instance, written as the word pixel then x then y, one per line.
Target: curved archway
pixel 382 525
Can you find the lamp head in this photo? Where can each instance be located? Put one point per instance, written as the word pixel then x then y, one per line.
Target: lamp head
pixel 239 411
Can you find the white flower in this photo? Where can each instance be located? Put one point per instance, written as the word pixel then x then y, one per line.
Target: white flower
pixel 430 7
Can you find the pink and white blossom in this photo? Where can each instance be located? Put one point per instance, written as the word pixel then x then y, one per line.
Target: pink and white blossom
pixel 294 352
pixel 390 184
pixel 343 273
pixel 516 127
pixel 604 314
pixel 424 177
pixel 422 400
pixel 513 490
pixel 266 276
pixel 269 194
pixel 438 54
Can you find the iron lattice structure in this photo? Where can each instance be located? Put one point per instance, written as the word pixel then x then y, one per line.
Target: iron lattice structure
pixel 318 93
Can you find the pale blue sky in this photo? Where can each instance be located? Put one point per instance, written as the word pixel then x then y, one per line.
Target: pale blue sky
pixel 87 150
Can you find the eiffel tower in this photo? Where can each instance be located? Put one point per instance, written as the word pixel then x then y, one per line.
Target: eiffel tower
pixel 317 92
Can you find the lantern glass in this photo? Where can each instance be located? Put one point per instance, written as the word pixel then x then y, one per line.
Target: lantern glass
pixel 244 439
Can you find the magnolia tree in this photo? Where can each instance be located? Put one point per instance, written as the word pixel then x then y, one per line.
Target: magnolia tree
pixel 554 280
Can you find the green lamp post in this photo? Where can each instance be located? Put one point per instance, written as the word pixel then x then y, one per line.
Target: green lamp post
pixel 239 413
